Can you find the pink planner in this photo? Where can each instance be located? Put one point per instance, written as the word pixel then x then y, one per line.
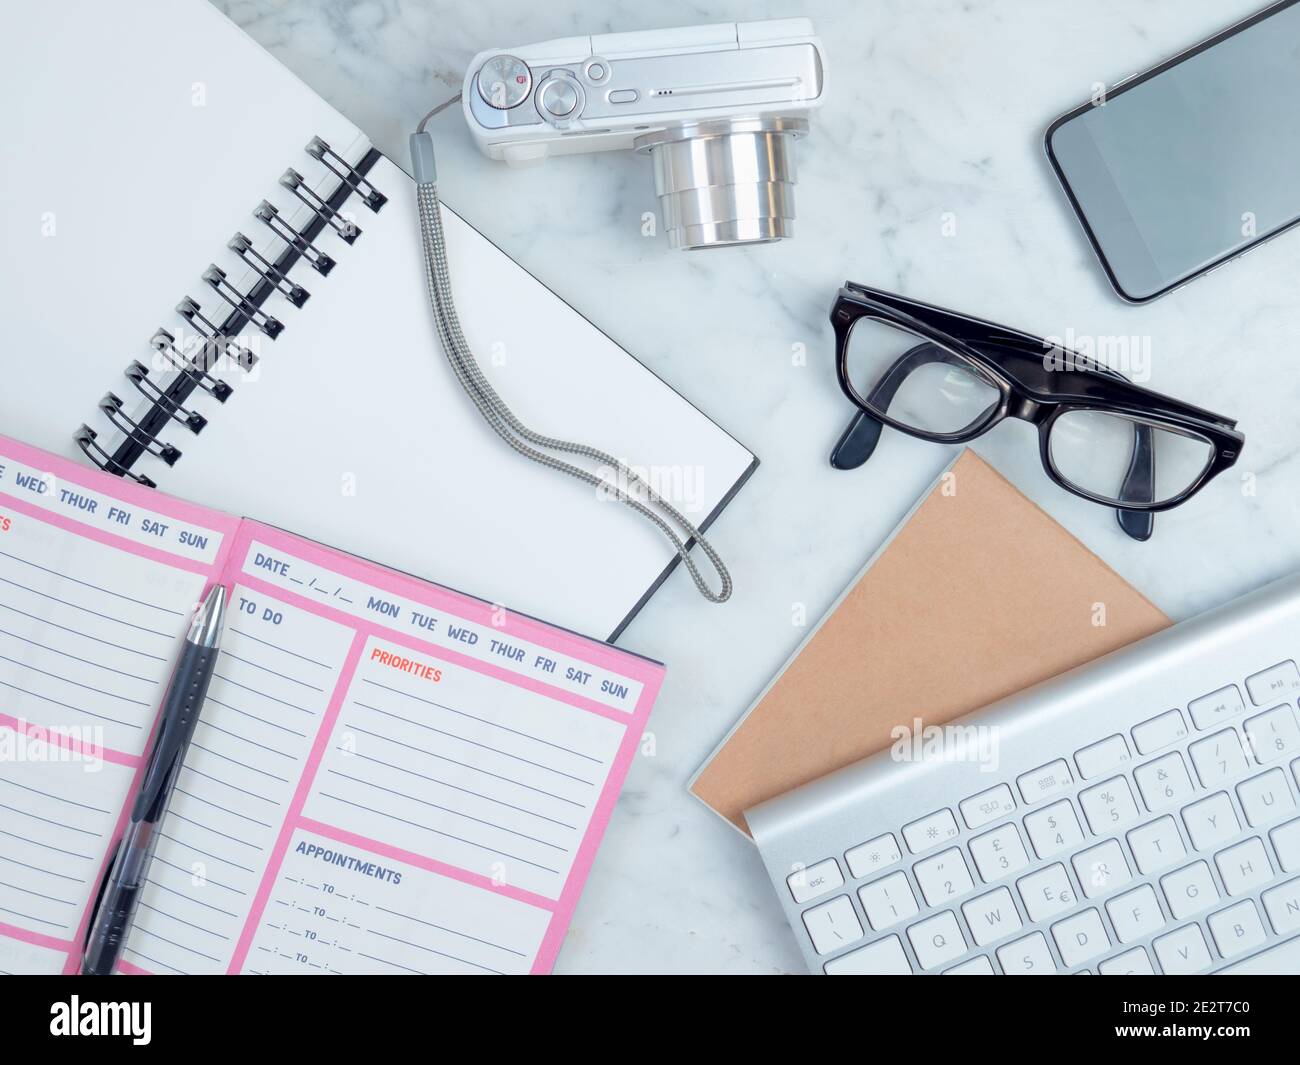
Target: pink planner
pixel 388 776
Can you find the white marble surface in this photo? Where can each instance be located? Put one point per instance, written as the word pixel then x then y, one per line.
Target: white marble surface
pixel 933 107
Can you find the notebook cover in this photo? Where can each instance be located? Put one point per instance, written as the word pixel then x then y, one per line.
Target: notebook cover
pixel 977 594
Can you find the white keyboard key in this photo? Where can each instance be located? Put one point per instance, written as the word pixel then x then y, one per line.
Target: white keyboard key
pixel 888 901
pixel 1237 929
pixel 815 881
pixel 1265 798
pixel 943 878
pixel 1131 963
pixel 978 966
pixel 1273 735
pixel 885 957
pixel 1054 829
pixel 1209 710
pixel 1109 806
pixel 1160 731
pixel 1183 952
pixel 1190 890
pixel 1163 782
pixel 1135 914
pixel 1157 845
pixel 937 940
pixel 1081 938
pixel 1211 821
pixel 991 917
pixel 1218 758
pixel 1286 842
pixel 928 832
pixel 987 806
pixel 832 925
pixel 1282 904
pixel 1244 867
pixel 1277 682
pixel 1047 892
pixel 999 853
pixel 1027 957
pixel 1045 781
pixel 1102 757
pixel 1102 869
pixel 878 853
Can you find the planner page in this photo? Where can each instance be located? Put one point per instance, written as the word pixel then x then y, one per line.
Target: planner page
pixel 389 777
pixel 98 579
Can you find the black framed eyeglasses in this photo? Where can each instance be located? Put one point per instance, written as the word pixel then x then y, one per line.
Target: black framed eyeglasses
pixel 946 377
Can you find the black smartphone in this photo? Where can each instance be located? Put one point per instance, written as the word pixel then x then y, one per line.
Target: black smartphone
pixel 1178 170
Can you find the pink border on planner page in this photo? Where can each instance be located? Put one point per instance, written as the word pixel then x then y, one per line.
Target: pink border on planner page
pixel 294 812
pixel 600 817
pixel 650 674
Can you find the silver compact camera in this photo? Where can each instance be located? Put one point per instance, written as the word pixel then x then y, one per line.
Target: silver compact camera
pixel 716 108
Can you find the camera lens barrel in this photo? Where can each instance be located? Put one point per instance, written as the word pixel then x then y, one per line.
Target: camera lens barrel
pixel 725 182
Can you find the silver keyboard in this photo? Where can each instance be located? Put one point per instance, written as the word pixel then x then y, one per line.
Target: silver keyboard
pixel 1140 814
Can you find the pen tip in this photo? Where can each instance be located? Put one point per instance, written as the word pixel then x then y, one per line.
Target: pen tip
pixel 205 630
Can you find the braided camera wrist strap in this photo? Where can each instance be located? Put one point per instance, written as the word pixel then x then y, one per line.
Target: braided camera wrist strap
pixel 532 445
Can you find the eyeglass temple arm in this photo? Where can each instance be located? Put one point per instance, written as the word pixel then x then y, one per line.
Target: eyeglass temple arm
pixel 1140 485
pixel 858 442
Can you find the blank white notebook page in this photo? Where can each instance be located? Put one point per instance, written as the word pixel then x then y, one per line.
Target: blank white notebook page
pixel 383 454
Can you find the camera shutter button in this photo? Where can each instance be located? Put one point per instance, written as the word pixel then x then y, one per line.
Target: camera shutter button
pixel 559 97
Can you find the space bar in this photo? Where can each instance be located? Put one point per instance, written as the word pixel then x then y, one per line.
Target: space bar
pixel 1282 960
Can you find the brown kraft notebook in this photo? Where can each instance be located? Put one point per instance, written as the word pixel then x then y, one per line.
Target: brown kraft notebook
pixel 977 594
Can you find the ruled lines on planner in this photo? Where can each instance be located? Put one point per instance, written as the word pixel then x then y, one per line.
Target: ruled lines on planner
pixel 57 812
pixel 448 763
pixel 336 909
pixel 87 633
pixel 276 671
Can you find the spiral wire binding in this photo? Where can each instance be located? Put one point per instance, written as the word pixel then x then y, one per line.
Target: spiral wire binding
pixel 86 440
pixel 164 343
pixel 337 165
pixel 138 374
pixel 192 371
pixel 268 213
pixel 112 407
pixel 290 290
pixel 216 343
pixel 297 184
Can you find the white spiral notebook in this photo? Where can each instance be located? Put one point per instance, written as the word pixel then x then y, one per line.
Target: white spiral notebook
pixel 148 206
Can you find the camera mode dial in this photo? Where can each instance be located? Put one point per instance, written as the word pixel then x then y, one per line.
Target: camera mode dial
pixel 504 82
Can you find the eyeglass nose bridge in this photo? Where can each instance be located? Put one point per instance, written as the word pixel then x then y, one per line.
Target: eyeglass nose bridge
pixel 1027 409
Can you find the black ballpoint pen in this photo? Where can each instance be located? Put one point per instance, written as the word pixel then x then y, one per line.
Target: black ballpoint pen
pixel 120 893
